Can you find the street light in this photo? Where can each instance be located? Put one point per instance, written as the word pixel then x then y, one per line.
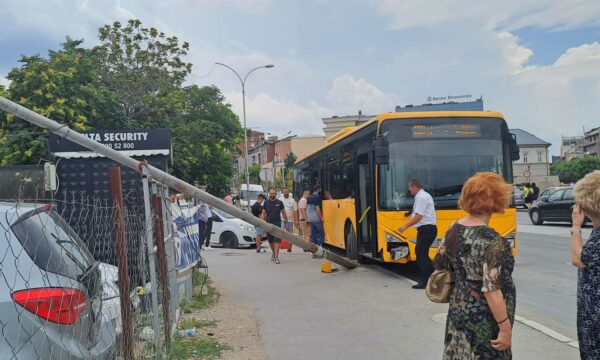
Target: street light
pixel 243 82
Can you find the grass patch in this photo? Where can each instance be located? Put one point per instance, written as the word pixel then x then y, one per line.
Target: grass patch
pixel 193 348
pixel 208 298
pixel 195 323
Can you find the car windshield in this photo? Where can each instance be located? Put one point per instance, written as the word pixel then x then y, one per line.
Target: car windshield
pixel 252 194
pixel 224 214
pixel 441 155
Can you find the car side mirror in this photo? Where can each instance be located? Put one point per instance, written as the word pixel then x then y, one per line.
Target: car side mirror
pixel 515 154
pixel 382 154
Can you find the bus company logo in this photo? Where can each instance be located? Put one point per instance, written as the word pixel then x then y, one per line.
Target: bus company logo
pixel 448 98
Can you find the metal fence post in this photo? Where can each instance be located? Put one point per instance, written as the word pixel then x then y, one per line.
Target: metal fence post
pixel 151 262
pixel 159 238
pixel 121 250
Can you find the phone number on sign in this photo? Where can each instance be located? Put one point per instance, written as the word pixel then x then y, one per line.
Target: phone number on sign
pixel 121 146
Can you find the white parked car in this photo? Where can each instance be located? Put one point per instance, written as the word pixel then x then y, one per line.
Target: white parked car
pixel 231 232
pixel 111 303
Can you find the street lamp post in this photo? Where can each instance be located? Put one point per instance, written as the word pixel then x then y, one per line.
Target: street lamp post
pixel 243 82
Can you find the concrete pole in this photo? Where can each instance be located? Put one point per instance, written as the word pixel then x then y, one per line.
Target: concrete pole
pixel 169 180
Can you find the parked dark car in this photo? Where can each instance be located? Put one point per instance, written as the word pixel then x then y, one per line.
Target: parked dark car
pixel 555 205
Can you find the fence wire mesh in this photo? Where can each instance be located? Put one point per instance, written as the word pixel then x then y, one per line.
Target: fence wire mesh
pixel 61 275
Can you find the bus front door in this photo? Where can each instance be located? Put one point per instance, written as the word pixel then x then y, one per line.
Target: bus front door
pixel 366 207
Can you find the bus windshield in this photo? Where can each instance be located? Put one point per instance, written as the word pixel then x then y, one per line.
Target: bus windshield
pixel 442 154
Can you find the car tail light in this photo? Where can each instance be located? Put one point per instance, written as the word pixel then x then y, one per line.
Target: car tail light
pixel 57 305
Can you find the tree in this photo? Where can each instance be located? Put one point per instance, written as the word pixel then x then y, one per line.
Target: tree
pixel 575 169
pixel 205 134
pixel 144 67
pixel 290 160
pixel 62 87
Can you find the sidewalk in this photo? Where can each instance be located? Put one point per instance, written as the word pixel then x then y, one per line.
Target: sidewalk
pixel 365 313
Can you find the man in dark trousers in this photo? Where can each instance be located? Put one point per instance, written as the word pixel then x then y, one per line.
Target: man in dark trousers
pixel 424 220
pixel 257 209
pixel 273 211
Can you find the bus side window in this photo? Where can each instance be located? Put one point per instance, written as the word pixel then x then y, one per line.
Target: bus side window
pixel 347 176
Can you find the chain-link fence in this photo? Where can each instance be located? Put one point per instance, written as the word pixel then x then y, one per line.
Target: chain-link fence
pixel 88 275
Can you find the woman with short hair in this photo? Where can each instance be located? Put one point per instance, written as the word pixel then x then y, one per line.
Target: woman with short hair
pixel 483 298
pixel 587 259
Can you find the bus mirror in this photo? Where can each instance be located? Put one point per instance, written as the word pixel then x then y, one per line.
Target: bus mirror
pixel 381 150
pixel 515 154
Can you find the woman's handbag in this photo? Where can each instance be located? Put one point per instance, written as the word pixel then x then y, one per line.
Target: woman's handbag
pixel 439 286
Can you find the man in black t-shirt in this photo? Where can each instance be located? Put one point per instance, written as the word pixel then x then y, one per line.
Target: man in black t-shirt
pixel 273 211
pixel 257 209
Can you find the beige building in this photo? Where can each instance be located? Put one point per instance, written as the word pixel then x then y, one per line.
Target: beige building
pixel 306 144
pixel 534 164
pixel 591 145
pixel 336 123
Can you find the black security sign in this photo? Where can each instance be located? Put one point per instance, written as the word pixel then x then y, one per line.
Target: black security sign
pixel 145 139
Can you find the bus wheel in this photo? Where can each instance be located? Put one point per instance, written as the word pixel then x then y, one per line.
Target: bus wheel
pixel 351 243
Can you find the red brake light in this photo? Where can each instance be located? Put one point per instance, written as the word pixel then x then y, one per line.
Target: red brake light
pixel 57 305
pixel 47 207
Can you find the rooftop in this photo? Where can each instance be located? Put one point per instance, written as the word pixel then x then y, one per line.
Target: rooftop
pixel 526 138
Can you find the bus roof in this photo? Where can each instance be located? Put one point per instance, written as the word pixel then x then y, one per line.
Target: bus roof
pixel 344 133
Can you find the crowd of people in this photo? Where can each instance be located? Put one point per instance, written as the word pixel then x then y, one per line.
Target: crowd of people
pixel 482 300
pixel 303 217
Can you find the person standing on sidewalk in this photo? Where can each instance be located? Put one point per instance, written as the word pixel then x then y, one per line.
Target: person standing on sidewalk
pixel 304 226
pixel 291 212
pixel 205 221
pixel 482 303
pixel 257 209
pixel 273 210
pixel 586 258
pixel 424 220
pixel 314 215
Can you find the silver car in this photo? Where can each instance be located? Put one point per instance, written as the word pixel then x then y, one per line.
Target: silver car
pixel 50 289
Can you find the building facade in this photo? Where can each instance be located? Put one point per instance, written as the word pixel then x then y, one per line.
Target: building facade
pixel 334 124
pixel 591 142
pixel 476 105
pixel 571 147
pixel 534 164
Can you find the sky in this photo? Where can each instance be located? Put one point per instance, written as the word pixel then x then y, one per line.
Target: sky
pixel 535 61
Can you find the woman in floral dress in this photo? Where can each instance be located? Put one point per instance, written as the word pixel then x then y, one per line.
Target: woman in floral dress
pixel 483 299
pixel 587 259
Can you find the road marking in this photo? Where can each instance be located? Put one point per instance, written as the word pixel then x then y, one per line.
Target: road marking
pixel 530 323
pixel 547 331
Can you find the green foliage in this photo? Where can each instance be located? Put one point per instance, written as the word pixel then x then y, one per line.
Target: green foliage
pixel 195 323
pixel 208 298
pixel 254 172
pixel 194 348
pixel 61 87
pixel 574 169
pixel 290 160
pixel 133 79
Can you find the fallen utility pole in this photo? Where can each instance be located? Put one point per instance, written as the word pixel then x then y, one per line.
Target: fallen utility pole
pixel 169 180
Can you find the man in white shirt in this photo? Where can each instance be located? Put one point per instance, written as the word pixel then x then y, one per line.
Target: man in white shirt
pixel 205 222
pixel 291 211
pixel 424 220
pixel 304 226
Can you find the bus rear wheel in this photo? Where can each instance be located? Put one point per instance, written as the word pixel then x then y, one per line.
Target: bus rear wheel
pixel 351 243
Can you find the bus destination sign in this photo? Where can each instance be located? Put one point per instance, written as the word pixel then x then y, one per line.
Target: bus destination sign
pixel 446 131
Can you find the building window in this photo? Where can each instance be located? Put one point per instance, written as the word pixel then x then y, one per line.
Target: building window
pixel 525 157
pixel 539 156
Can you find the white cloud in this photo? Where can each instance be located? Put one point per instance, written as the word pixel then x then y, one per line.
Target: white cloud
pixel 346 96
pixel 507 14
pixel 349 95
pixel 267 114
pixel 583 53
pixel 4 81
pixel 516 55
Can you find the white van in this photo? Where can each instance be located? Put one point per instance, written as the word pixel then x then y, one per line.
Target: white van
pixel 250 194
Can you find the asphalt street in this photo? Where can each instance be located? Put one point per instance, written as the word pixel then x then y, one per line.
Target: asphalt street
pixel 372 313
pixel 545 279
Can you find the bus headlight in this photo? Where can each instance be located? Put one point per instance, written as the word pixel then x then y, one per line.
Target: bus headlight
pixel 511 239
pixel 398 249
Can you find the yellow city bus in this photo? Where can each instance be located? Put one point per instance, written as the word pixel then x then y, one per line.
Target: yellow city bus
pixel 366 169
